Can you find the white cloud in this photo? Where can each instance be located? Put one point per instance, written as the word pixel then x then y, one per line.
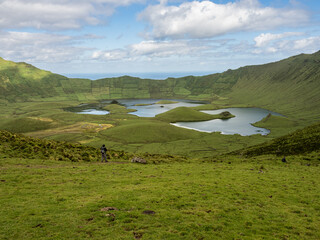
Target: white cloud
pixel 289 43
pixel 55 14
pixel 207 19
pixel 112 55
pixel 311 44
pixel 264 38
pixel 152 49
pixel 37 47
pixel 165 48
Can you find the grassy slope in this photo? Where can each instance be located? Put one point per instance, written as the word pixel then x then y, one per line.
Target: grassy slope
pixel 289 86
pixel 17 145
pixel 22 146
pixel 228 198
pixel 146 131
pixel 299 142
pixel 260 199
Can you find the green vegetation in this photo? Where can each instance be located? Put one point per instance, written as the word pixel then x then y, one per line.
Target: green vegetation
pixel 229 199
pixel 278 125
pixel 117 109
pixel 185 114
pixel 166 102
pixel 195 186
pixel 33 102
pixel 16 145
pixel 26 124
pixel 301 141
pixel 21 146
pixel 147 132
pixel 289 87
pixel 143 104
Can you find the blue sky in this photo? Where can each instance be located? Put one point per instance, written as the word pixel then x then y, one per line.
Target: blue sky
pixel 141 36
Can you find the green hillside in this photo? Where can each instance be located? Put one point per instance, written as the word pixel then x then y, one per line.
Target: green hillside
pixel 14 145
pixel 147 132
pixel 299 142
pixel 290 86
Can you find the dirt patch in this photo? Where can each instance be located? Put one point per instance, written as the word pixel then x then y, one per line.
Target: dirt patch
pixel 74 128
pixel 42 119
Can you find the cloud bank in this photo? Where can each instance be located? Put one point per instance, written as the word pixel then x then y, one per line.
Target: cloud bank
pixel 207 19
pixel 56 14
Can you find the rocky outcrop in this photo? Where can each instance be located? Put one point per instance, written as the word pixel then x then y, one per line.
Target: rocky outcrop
pixel 138 160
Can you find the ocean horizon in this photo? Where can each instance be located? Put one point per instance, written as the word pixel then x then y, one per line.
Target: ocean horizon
pixel 145 75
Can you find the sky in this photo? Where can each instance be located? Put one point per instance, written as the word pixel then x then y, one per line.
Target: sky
pixel 78 37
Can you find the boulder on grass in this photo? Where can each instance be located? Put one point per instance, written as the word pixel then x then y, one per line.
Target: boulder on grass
pixel 138 160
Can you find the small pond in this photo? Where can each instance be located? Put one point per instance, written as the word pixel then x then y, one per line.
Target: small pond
pixel 93 111
pixel 240 124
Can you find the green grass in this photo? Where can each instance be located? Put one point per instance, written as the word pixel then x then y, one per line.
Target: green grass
pixel 289 86
pixel 56 190
pixel 30 97
pixel 299 142
pixel 22 125
pixel 147 131
pixel 226 199
pixel 185 114
pixel 117 109
pixel 166 102
pixel 278 125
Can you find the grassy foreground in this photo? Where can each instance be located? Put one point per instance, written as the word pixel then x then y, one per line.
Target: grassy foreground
pixel 260 198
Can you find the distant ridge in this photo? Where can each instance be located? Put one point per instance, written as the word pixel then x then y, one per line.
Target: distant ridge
pixel 287 86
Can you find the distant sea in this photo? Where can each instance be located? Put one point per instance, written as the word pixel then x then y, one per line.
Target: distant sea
pixel 148 75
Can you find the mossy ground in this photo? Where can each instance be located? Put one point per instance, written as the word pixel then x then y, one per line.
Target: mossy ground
pixel 227 198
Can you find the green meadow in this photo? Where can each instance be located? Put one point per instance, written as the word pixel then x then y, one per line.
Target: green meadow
pixel 195 185
pixel 228 198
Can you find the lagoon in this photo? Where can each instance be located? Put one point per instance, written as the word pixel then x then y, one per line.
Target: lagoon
pixel 240 124
pixel 151 108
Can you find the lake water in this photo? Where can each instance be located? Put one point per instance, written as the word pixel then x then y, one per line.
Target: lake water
pixel 153 108
pixel 93 112
pixel 240 124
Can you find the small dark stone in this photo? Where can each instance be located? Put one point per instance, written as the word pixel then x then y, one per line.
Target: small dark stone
pixel 149 212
